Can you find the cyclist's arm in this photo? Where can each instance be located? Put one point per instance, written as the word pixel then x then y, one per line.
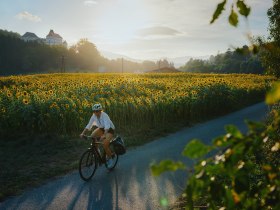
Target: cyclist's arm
pixel 89 126
pixel 84 132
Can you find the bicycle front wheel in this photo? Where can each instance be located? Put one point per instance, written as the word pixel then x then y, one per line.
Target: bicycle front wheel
pixel 87 165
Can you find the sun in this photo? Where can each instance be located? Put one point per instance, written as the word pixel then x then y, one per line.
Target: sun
pixel 119 22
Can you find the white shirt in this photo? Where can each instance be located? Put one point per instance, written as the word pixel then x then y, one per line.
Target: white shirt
pixel 103 122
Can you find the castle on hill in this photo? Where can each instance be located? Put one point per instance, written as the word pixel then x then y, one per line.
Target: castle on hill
pixel 51 39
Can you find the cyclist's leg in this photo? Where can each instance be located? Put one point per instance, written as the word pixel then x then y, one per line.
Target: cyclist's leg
pixel 97 133
pixel 108 138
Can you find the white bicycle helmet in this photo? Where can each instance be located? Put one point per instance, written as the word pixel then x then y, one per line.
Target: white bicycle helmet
pixel 96 107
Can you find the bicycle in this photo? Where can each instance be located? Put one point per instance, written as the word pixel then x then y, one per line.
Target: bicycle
pixel 94 158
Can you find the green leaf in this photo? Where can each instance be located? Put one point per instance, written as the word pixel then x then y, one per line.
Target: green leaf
pixel 190 197
pixel 242 181
pixel 229 199
pixel 233 18
pixel 196 149
pixel 166 165
pixel 243 8
pixel 220 141
pixel 255 126
pixel 255 49
pixel 218 11
pixel 273 95
pixel 214 169
pixel 233 130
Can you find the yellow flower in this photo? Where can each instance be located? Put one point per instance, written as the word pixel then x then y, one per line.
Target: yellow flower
pixel 25 101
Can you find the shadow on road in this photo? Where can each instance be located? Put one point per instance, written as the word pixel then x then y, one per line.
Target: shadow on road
pixel 127 187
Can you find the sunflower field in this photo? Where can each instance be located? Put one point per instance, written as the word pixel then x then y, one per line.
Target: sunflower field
pixel 61 103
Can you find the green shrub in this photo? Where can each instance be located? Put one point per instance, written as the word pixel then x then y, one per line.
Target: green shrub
pixel 244 173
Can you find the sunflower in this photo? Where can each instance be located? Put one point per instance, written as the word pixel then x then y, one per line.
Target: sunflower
pixel 18 94
pixel 25 101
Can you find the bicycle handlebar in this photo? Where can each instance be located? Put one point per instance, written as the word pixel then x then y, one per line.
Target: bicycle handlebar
pixel 94 139
pixel 87 137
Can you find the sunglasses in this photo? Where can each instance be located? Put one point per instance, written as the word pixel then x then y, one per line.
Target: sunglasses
pixel 96 111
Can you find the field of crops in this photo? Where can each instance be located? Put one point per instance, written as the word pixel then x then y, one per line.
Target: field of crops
pixel 61 103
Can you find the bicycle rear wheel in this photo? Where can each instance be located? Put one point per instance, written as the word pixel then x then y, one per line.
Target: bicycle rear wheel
pixel 87 165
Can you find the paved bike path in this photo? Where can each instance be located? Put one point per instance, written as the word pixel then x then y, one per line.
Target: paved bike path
pixel 131 185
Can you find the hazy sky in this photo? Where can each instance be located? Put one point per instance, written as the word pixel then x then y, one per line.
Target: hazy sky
pixel 142 29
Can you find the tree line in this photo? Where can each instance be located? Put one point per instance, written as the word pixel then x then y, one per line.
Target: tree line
pixel 20 57
pixel 240 60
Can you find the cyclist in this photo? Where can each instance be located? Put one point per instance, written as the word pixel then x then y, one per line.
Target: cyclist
pixel 105 129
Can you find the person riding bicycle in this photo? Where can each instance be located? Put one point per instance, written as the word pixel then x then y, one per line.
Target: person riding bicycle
pixel 105 129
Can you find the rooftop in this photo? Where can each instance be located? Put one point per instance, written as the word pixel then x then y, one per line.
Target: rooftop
pixel 30 35
pixel 52 34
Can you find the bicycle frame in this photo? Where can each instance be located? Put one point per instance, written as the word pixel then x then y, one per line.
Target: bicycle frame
pixel 95 148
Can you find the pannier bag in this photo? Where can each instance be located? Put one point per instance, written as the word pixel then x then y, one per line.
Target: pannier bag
pixel 118 145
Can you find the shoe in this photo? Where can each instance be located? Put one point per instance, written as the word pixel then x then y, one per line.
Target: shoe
pixel 110 163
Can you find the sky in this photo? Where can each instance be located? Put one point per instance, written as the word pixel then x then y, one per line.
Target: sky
pixel 140 29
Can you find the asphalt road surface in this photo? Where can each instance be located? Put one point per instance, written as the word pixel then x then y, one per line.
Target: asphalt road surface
pixel 131 185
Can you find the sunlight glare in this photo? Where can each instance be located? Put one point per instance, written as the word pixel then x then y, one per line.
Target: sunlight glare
pixel 121 20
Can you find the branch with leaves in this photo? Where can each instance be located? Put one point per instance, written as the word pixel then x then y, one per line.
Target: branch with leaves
pixel 244 174
pixel 239 5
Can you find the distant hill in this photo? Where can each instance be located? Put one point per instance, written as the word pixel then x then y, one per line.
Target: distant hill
pixel 164 70
pixel 178 61
pixel 115 56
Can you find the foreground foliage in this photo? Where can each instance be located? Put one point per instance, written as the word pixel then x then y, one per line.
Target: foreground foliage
pixel 61 103
pixel 244 174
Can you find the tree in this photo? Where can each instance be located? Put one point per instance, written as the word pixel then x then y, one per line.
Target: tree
pixel 274 21
pixel 88 55
pixel 148 65
pixel 164 64
pixel 271 50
